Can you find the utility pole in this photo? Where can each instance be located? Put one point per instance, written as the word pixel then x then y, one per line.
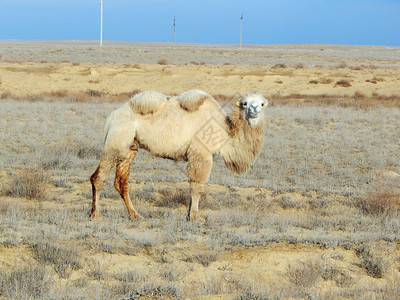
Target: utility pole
pixel 101 23
pixel 174 31
pixel 241 27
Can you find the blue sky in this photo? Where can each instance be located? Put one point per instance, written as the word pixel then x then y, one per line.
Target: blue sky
pixel 357 22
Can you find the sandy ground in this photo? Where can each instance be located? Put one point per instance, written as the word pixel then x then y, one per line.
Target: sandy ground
pixel 36 67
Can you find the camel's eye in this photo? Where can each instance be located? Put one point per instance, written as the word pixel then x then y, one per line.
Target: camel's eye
pixel 244 103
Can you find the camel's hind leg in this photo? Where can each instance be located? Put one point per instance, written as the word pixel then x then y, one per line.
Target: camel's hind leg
pixel 97 179
pixel 121 182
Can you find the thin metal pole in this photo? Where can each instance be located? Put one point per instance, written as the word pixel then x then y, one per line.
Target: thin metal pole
pixel 174 31
pixel 101 24
pixel 241 26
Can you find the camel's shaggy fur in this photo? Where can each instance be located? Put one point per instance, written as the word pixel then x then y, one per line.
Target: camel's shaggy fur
pixel 147 102
pixel 190 127
pixel 193 99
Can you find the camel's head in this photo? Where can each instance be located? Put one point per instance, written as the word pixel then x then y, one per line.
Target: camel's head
pixel 252 106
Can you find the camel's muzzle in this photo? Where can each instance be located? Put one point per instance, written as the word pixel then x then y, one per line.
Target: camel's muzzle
pixel 254 110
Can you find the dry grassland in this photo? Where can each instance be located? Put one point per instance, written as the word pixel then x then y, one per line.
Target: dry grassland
pixel 316 217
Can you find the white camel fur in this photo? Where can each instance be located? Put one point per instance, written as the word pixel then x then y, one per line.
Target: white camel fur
pixel 190 127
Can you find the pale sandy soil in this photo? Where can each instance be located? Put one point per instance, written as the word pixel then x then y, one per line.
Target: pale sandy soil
pixel 33 68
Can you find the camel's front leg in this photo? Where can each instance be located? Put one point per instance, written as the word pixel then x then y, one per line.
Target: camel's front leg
pixel 199 168
pixel 196 190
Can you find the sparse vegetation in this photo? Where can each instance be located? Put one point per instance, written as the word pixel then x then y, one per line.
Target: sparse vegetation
pixel 279 66
pixel 163 61
pixel 383 200
pixel 64 260
pixel 311 219
pixel 343 83
pixel 306 191
pixel 31 183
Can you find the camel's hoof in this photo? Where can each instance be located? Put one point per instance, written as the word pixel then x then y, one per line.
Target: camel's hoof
pixel 195 218
pixel 94 217
pixel 137 217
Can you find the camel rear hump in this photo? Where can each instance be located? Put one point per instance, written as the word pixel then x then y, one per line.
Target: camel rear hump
pixel 147 102
pixel 193 99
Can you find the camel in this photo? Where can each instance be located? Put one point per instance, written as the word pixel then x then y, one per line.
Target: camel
pixel 189 127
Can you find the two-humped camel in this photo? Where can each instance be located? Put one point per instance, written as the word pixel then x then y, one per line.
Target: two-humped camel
pixel 190 127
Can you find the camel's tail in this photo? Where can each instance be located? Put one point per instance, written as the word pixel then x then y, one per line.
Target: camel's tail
pixel 107 126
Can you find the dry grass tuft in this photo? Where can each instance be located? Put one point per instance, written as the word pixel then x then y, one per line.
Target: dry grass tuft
pixel 31 282
pixel 279 66
pixel 343 83
pixel 64 260
pixel 163 61
pixel 375 266
pixel 300 66
pixel 306 274
pixel 173 198
pixel 31 184
pixel 383 201
pixel 195 63
pixel 338 275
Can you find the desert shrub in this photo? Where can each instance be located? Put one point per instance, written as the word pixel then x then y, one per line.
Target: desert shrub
pixel 375 266
pixel 339 276
pixel 157 291
pixel 203 258
pixel 375 80
pixel 288 201
pixel 306 274
pixel 343 83
pixel 134 275
pixel 279 66
pixel 173 198
pixel 31 184
pixel 300 66
pixel 359 96
pixel 31 282
pixel 341 65
pixel 61 155
pixel 64 260
pixel 163 61
pixel 249 294
pixel 96 269
pixel 383 201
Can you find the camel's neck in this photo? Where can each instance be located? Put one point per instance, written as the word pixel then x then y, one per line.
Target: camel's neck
pixel 244 144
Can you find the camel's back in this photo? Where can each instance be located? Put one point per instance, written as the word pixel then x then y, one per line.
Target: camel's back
pixel 172 128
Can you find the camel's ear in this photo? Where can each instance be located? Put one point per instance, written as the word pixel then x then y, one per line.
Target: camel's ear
pixel 238 103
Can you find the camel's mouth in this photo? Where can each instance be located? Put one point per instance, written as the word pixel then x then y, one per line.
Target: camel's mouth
pixel 253 115
pixel 253 111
